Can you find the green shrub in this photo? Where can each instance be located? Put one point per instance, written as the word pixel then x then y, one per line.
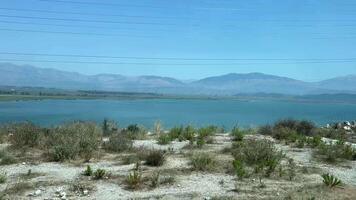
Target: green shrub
pixel 239 169
pixel 118 143
pixel 164 139
pixel 314 142
pixel 176 133
pixel 203 162
pixel 72 140
pixel 99 174
pixel 134 180
pixel 3 178
pixel 188 134
pixel 88 171
pixel 155 158
pixel 109 127
pixel 330 180
pixel 305 128
pixel 6 158
pixel 24 135
pixel 332 153
pixel 237 134
pixel 265 130
pixel 134 132
pixel 261 154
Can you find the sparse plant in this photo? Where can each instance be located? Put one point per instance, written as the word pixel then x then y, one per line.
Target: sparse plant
pixel 237 134
pixel 134 132
pixel 239 168
pixel 189 134
pixel 260 154
pixel 88 171
pixel 203 162
pixel 330 180
pixel 164 139
pixel 109 127
pixel 176 133
pixel 129 159
pixel 99 174
pixel 24 135
pixel 6 158
pixel 72 140
pixel 332 153
pixel 118 143
pixel 157 127
pixel 134 180
pixel 155 179
pixel 3 178
pixel 155 158
pixel 291 169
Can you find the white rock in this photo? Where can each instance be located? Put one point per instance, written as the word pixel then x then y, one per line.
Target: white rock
pixel 85 192
pixel 37 193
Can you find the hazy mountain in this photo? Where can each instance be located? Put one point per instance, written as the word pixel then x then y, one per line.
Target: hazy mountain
pixel 345 83
pixel 229 84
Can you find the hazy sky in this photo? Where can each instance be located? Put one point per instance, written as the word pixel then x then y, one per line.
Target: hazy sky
pixel 303 39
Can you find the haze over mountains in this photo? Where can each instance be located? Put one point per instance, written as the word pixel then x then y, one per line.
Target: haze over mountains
pixel 229 84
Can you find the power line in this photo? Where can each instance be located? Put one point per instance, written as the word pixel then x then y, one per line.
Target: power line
pixel 77 26
pixel 85 13
pixel 76 33
pixel 176 58
pixel 104 4
pixel 84 20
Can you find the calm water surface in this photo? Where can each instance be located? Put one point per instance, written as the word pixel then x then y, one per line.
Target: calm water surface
pixel 225 113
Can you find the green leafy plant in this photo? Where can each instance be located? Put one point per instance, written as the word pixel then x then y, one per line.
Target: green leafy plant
pixel 88 171
pixel 99 174
pixel 237 134
pixel 134 180
pixel 3 178
pixel 330 180
pixel 239 168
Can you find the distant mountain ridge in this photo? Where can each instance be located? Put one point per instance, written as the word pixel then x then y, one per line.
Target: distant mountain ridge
pixel 229 84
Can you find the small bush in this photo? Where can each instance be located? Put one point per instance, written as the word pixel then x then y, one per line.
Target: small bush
pixel 24 135
pixel 164 139
pixel 203 162
pixel 176 133
pixel 330 180
pixel 239 168
pixel 99 174
pixel 72 140
pixel 237 134
pixel 118 143
pixel 3 178
pixel 88 171
pixel 6 158
pixel 332 153
pixel 188 134
pixel 109 127
pixel 134 132
pixel 260 154
pixel 265 130
pixel 155 158
pixel 291 169
pixel 134 180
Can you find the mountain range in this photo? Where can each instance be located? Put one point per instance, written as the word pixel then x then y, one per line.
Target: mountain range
pixel 229 84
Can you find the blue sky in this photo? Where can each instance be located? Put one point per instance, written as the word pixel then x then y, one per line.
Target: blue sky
pixel 302 37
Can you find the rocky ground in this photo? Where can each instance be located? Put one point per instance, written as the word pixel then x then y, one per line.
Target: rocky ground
pixel 36 179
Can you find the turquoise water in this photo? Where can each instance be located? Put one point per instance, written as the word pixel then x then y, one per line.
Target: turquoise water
pixel 145 112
